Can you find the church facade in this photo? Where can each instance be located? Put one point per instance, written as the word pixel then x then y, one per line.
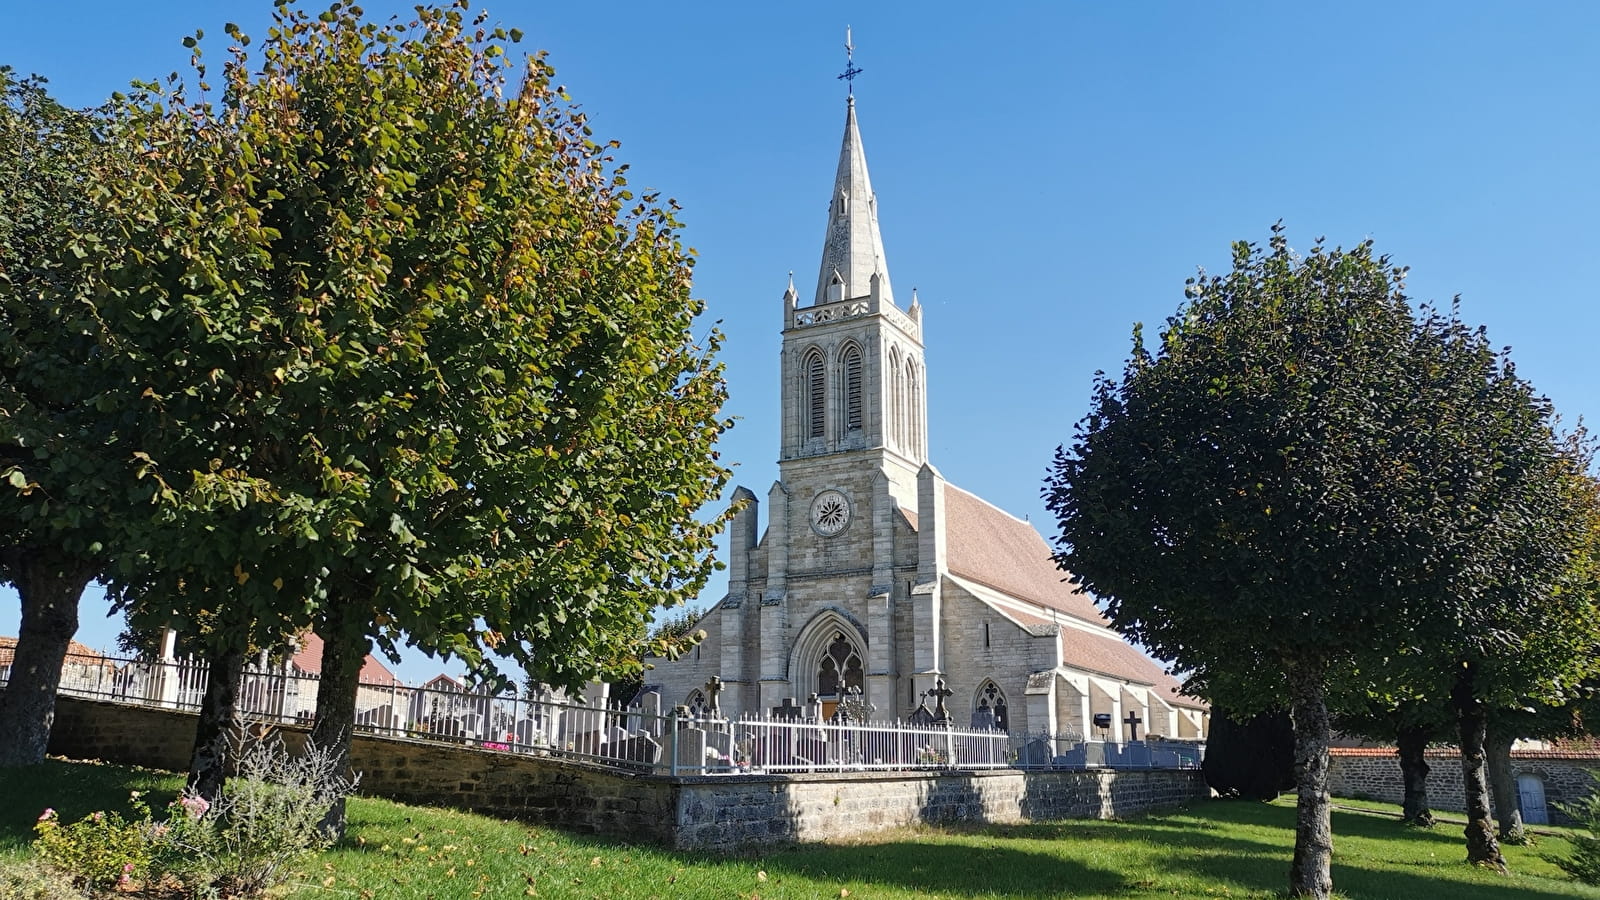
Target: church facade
pixel 874 574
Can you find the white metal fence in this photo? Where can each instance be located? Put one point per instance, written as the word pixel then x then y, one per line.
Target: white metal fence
pixel 548 723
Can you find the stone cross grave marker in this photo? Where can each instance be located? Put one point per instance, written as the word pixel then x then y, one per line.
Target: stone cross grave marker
pixel 714 697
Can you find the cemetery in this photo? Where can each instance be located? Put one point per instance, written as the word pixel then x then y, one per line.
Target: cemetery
pixel 678 777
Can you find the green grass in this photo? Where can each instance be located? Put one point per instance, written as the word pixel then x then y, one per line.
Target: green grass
pixel 1218 849
pixel 1451 819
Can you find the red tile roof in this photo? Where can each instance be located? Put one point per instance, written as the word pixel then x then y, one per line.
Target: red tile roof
pixel 1452 753
pixel 998 550
pixel 308 659
pixel 83 653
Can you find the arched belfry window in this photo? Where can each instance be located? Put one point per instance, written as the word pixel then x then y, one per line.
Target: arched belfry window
pixel 893 429
pixel 989 709
pixel 840 668
pixel 816 388
pixel 913 407
pixel 852 388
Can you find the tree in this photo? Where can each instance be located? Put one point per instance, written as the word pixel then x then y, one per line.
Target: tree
pixel 1412 724
pixel 1253 759
pixel 441 361
pixel 1276 491
pixel 66 458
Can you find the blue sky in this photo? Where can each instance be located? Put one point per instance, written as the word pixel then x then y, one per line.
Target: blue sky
pixel 1047 174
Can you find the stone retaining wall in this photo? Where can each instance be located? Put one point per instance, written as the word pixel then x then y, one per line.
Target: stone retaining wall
pixel 1374 773
pixel 706 812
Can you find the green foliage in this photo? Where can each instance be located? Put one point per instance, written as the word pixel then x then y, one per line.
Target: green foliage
pixel 266 819
pixel 413 352
pixel 98 852
pixel 1305 474
pixel 65 459
pixel 1584 861
pixel 1253 759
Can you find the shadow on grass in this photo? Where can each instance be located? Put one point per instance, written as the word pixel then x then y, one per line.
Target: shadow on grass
pixel 74 790
pixel 936 868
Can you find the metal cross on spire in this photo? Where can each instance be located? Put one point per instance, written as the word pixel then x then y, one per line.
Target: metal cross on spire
pixel 850 68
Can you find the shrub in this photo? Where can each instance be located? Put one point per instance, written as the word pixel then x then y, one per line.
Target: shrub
pixel 267 817
pixel 99 851
pixel 1584 863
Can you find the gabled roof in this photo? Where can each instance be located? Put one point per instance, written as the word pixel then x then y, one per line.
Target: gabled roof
pixel 308 659
pixel 994 548
pixel 990 547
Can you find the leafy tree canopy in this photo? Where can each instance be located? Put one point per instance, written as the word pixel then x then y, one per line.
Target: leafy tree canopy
pixel 424 369
pixel 1307 484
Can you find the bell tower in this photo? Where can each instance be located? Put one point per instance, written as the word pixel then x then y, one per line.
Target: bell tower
pixel 854 378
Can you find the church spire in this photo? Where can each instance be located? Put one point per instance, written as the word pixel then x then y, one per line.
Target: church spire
pixel 852 249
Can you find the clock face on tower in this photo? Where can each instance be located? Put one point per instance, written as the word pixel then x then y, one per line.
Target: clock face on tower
pixel 830 513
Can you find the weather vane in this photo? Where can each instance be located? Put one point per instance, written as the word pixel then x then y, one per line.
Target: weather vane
pixel 850 69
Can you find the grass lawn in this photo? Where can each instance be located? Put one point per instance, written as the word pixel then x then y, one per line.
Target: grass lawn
pixel 1221 849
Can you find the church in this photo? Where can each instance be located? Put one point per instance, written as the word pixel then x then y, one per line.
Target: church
pixel 876 580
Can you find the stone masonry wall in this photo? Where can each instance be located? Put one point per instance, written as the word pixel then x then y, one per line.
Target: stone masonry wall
pixel 1375 774
pixel 709 812
pixel 730 812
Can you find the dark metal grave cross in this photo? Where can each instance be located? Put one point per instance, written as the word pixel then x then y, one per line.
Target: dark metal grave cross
pixel 1132 721
pixel 939 692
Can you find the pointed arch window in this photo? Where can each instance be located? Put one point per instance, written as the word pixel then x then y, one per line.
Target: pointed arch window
pixel 852 388
pixel 696 702
pixel 892 433
pixel 990 709
pixel 840 668
pixel 816 395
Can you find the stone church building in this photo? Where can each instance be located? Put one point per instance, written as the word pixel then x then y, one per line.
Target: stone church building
pixel 874 573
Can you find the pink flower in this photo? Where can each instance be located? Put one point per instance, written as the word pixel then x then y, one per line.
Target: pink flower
pixel 47 815
pixel 196 806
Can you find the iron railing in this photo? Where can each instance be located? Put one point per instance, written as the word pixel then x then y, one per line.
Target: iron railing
pixel 549 723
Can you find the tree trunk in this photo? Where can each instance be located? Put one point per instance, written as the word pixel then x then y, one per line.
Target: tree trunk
pixel 216 736
pixel 1413 741
pixel 1507 808
pixel 1310 874
pixel 342 656
pixel 1482 848
pixel 50 586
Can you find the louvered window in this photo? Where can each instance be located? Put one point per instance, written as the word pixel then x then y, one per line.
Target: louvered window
pixel 852 389
pixel 816 396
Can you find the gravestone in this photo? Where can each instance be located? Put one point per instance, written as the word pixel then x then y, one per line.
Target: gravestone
pixel 649 714
pixel 639 748
pixel 720 741
pixel 1035 754
pixel 983 716
pixel 691 747
pixel 789 711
